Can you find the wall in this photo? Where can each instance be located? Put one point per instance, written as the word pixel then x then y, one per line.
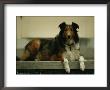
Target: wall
pixel 48 26
pixel 45 27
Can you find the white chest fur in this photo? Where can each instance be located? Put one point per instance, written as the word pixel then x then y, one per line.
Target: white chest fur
pixel 72 52
pixel 71 55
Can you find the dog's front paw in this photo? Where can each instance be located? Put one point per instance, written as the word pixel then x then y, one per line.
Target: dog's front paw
pixel 82 65
pixel 67 69
pixel 66 66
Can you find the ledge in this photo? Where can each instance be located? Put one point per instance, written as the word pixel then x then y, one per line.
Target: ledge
pixel 51 64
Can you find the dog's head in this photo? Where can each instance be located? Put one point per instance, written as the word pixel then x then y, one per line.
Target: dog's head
pixel 69 31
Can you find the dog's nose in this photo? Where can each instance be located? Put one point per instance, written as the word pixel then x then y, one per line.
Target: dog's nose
pixel 69 37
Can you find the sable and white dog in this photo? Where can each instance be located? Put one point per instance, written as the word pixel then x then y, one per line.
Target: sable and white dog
pixel 68 41
pixel 64 47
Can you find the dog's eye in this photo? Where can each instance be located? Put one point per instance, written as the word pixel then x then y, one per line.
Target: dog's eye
pixel 65 29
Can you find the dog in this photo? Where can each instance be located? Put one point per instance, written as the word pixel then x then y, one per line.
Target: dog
pixel 64 47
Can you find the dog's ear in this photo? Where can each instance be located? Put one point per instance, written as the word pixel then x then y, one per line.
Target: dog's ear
pixel 62 26
pixel 75 26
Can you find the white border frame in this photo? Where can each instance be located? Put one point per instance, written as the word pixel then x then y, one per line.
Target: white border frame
pixel 99 79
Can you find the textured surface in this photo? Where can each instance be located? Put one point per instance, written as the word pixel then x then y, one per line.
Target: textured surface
pixel 51 65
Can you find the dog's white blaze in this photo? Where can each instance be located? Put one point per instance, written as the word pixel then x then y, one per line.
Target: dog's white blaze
pixel 69 33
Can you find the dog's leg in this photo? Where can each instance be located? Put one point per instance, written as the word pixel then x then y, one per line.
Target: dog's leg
pixel 66 65
pixel 31 49
pixel 81 61
pixel 63 58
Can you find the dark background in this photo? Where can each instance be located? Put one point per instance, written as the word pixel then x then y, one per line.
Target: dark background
pixel 56 1
pixel 2 2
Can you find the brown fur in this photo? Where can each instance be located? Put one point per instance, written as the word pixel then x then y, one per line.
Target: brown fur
pixel 31 49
